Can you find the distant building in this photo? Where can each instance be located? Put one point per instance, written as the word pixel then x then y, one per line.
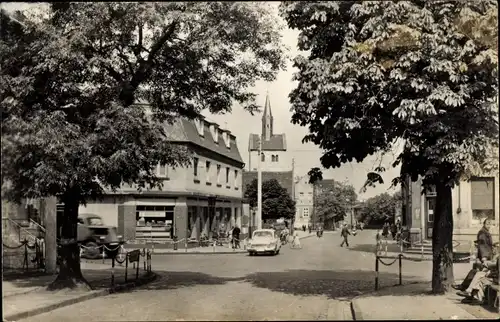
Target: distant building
pixel 274 157
pixel 194 201
pixel 304 198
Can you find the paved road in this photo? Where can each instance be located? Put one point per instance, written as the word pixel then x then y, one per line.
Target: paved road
pixel 313 283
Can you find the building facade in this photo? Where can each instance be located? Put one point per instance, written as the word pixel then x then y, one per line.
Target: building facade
pixel 195 201
pixel 472 202
pixel 304 202
pixel 274 156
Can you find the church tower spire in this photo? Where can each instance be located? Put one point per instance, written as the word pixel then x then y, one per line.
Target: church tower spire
pixel 267 120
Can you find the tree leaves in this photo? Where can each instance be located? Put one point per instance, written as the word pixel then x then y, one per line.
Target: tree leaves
pixel 73 75
pixel 333 200
pixel 276 202
pixel 424 72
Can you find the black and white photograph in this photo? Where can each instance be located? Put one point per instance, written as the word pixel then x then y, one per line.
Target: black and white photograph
pixel 250 160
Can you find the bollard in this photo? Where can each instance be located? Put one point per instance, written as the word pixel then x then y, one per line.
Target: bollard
pixel 214 246
pixel 400 269
pixel 126 267
pixel 112 271
pixel 103 254
pixel 376 273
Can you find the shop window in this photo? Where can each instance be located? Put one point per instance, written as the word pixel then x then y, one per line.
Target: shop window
pixel 155 218
pixel 262 157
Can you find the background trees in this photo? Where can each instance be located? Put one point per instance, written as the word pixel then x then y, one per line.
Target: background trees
pixel 71 83
pixel 276 202
pixel 379 209
pixel 421 71
pixel 333 202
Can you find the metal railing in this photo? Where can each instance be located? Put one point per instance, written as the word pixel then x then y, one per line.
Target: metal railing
pixel 21 229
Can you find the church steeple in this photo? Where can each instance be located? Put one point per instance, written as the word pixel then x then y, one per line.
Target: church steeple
pixel 267 120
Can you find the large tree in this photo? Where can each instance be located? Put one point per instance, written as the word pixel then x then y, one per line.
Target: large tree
pixel 333 202
pixel 424 72
pixel 276 201
pixel 71 81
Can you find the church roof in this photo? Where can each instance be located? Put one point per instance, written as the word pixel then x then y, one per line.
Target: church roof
pixel 277 142
pixel 285 179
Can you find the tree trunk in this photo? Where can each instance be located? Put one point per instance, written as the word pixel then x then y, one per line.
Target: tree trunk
pixel 442 241
pixel 70 273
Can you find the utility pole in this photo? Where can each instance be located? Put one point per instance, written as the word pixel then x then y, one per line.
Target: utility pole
pixel 259 185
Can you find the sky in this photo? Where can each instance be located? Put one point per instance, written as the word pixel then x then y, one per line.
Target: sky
pixel 242 123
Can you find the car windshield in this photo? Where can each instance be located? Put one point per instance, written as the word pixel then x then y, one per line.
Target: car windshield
pixel 95 221
pixel 263 234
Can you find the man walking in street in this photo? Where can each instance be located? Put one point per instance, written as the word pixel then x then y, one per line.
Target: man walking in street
pixel 345 233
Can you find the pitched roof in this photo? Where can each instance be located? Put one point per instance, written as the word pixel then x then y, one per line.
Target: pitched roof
pixel 277 142
pixel 285 179
pixel 184 130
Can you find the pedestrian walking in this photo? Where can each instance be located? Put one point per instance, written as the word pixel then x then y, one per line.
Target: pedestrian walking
pixel 236 237
pixel 394 230
pixel 345 233
pixel 385 230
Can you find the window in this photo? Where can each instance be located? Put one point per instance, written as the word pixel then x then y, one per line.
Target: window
pixel 301 193
pixel 305 212
pixel 276 158
pixel 235 178
pixel 227 175
pixel 273 158
pixel 195 167
pixel 262 157
pixel 207 168
pixel 161 170
pixel 218 173
pixel 482 198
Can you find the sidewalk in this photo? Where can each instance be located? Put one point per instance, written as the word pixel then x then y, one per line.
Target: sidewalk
pixel 414 302
pixel 210 250
pixel 27 296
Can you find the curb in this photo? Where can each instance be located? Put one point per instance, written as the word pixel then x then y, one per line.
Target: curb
pixel 356 312
pixel 85 297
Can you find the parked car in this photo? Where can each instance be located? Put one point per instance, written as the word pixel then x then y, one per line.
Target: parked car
pixel 92 233
pixel 266 241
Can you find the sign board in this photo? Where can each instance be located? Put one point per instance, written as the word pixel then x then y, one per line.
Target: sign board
pixel 134 255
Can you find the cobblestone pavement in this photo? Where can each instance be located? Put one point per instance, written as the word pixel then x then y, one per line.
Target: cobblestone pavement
pixel 315 282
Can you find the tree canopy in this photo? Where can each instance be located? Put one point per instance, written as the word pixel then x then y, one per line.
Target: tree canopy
pixel 379 209
pixel 333 201
pixel 69 92
pixel 89 93
pixel 421 71
pixel 276 202
pixel 425 72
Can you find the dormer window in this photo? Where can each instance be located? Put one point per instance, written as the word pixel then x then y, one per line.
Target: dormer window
pixel 214 129
pixel 199 122
pixel 227 138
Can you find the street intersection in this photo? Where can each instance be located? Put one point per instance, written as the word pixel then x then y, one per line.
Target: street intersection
pixel 315 282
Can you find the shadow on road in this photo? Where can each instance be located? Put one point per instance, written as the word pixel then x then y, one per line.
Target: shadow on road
pixel 173 280
pixel 333 284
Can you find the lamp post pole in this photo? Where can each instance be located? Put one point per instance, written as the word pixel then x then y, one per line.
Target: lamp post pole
pixel 259 186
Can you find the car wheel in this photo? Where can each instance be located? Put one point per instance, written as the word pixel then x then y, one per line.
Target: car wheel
pixel 91 250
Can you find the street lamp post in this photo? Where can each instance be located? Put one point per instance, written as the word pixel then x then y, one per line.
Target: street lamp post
pixel 259 186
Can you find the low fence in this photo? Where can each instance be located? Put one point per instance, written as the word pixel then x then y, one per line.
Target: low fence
pixel 120 256
pixel 186 243
pixel 26 256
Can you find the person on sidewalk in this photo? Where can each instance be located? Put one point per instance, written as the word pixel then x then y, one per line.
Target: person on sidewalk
pixel 486 276
pixel 235 234
pixel 484 253
pixel 345 233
